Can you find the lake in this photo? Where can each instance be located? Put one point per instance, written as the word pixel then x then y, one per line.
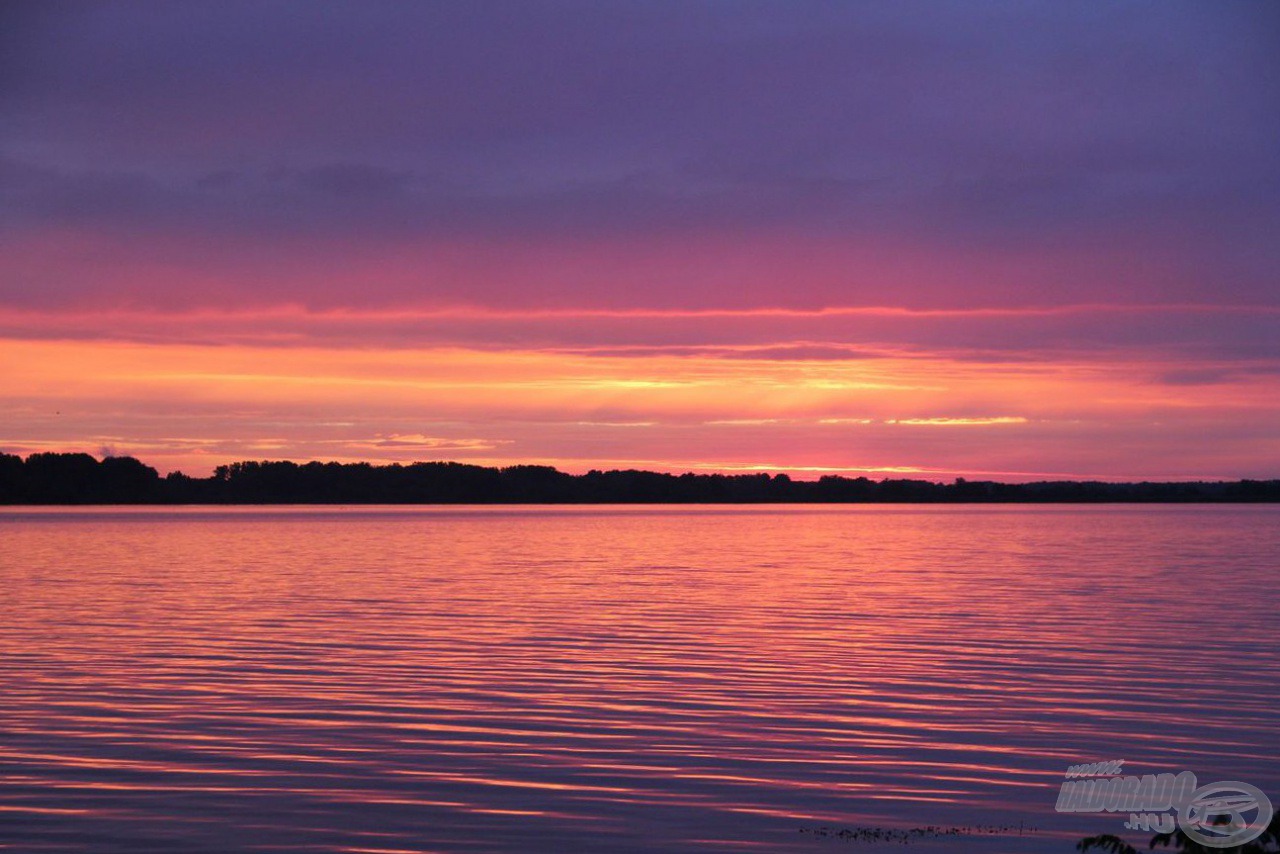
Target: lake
pixel 641 678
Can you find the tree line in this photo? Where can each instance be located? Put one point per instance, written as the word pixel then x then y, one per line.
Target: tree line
pixel 55 478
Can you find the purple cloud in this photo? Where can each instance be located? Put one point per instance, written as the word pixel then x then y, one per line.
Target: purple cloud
pixel 238 138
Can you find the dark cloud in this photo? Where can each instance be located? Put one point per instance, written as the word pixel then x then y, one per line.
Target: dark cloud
pixel 1137 139
pixel 1177 346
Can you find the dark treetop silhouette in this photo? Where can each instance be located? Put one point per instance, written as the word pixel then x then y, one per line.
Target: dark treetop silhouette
pixel 1267 843
pixel 50 478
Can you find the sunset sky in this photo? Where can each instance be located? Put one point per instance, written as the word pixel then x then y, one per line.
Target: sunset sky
pixel 926 239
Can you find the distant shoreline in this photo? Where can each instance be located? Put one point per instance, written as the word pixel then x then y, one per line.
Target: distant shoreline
pixel 51 479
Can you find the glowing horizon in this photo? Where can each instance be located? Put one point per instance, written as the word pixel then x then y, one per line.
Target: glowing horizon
pixel 935 241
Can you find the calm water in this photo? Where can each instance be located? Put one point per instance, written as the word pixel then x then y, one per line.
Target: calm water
pixel 618 679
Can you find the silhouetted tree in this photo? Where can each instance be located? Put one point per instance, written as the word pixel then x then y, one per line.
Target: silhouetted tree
pixel 1267 843
pixel 11 479
pixel 51 478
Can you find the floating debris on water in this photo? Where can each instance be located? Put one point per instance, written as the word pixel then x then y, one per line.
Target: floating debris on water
pixel 913 834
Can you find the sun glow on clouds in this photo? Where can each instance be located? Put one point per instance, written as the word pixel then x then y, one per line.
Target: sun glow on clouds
pixel 958 422
pixel 809 237
pixel 194 406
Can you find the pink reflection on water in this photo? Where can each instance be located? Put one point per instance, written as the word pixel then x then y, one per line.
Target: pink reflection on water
pixel 616 678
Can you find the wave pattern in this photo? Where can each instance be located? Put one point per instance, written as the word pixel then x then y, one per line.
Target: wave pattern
pixel 617 679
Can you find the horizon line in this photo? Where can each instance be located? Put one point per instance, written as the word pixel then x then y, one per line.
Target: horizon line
pixel 706 469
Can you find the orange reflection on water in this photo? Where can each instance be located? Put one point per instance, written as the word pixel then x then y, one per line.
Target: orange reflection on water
pixel 551 679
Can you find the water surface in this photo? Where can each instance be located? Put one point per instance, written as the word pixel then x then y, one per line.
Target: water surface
pixel 547 679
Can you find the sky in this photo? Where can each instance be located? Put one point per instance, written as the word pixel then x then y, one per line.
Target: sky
pixel 1002 240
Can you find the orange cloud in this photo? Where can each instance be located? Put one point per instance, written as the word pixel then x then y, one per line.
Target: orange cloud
pixel 193 406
